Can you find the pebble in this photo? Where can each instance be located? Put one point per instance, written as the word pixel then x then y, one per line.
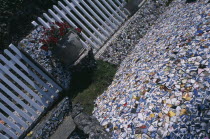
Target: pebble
pixel 55 119
pixel 137 26
pixel 161 89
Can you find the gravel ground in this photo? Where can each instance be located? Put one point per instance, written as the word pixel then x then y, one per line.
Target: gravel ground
pixel 161 89
pixel 119 46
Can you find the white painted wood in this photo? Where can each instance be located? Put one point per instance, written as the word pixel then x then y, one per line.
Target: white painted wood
pixel 89 41
pixel 11 65
pixel 84 44
pixel 31 73
pixel 57 18
pixel 71 6
pixel 19 82
pixel 35 67
pixel 29 100
pixel 45 24
pixel 11 114
pixel 97 17
pixel 11 124
pixel 18 110
pixel 119 3
pixel 34 23
pixel 64 16
pixel 82 33
pixel 3 136
pixel 107 12
pixel 67 10
pixel 113 11
pixel 8 131
pixel 26 91
pixel 90 17
pixel 49 19
pixel 29 109
pixel 74 26
pixel 102 14
pixel 118 9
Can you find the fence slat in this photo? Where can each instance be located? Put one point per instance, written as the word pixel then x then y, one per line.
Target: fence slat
pixel 107 12
pixel 12 125
pixel 113 11
pixel 6 90
pixel 12 105
pixel 32 93
pixel 102 14
pixel 67 10
pixel 11 114
pixel 71 6
pixel 19 92
pixel 9 132
pixel 90 17
pixel 57 18
pixel 3 137
pixel 22 98
pixel 84 44
pixel 65 17
pixel 118 9
pixel 35 67
pixel 73 25
pixel 98 18
pixel 51 20
pixel 45 24
pixel 82 34
pixel 90 41
pixel 96 38
pixel 119 3
pixel 11 65
pixel 16 59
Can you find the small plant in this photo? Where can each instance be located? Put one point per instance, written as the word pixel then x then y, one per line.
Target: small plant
pixel 57 31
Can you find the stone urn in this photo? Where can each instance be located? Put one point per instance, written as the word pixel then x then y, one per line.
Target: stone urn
pixel 68 49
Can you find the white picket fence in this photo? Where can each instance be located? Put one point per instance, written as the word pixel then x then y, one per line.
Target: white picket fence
pixel 98 19
pixel 26 91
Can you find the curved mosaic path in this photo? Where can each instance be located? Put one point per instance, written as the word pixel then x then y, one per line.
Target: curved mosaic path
pixel 161 89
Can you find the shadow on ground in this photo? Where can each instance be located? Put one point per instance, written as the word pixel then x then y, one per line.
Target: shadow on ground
pixel 86 85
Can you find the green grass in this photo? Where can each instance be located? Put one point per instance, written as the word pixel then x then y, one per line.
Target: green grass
pixel 86 86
